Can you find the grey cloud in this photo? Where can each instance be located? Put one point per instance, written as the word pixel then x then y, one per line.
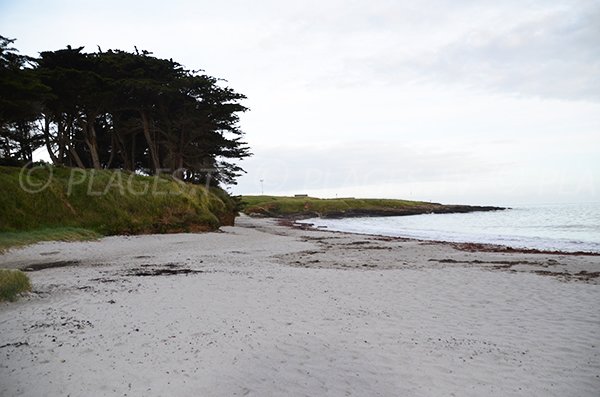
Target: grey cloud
pixel 529 48
pixel 556 55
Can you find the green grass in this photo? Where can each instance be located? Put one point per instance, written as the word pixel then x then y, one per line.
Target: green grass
pixel 21 238
pixel 289 206
pixel 12 283
pixel 105 203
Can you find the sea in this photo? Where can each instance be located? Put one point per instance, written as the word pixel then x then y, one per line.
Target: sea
pixel 548 227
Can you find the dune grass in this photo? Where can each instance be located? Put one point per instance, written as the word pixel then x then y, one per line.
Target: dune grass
pixel 21 238
pixel 12 283
pixel 65 203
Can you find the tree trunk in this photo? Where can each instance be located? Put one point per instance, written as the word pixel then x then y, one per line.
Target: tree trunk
pixel 92 142
pixel 76 157
pixel 133 141
pixel 123 153
pixel 150 141
pixel 178 166
pixel 113 149
pixel 61 141
pixel 46 131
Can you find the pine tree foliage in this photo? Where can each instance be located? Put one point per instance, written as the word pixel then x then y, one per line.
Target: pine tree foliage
pixel 119 110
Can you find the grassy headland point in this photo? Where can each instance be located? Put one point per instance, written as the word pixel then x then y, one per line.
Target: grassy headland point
pixel 304 207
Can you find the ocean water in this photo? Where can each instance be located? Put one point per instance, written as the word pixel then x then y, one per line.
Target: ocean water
pixel 564 227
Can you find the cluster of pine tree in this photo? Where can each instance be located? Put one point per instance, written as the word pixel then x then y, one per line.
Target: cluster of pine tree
pixel 118 110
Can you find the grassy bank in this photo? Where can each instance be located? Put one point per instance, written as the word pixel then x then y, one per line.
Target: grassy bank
pixel 20 238
pixel 62 203
pixel 281 206
pixel 12 283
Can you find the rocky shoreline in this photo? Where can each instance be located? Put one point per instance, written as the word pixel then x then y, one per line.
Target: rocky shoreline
pixel 417 210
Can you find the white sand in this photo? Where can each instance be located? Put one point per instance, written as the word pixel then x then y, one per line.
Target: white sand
pixel 278 311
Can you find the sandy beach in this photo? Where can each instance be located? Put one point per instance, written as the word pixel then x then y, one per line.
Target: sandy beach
pixel 264 309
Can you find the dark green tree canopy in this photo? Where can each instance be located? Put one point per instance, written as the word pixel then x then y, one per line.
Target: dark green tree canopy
pixel 21 99
pixel 118 109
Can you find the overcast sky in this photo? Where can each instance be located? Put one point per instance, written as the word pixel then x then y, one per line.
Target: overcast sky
pixel 457 101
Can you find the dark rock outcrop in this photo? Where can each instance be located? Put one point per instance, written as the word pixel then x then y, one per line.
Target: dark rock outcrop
pixel 415 210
